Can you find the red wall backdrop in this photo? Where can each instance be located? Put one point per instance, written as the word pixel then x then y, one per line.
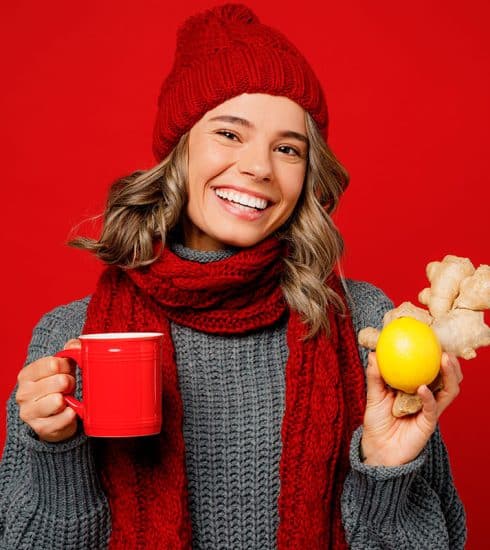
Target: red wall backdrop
pixel 408 90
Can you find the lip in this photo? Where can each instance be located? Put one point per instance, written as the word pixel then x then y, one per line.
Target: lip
pixel 246 192
pixel 250 215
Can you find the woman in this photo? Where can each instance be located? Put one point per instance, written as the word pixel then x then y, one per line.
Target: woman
pixel 228 248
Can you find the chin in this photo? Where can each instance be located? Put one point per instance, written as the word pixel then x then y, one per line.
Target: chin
pixel 242 241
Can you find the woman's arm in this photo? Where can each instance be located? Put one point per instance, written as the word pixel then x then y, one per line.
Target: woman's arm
pixel 410 506
pixel 414 506
pixel 50 496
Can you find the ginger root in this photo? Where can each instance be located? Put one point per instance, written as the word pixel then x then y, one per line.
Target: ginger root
pixel 409 403
pixel 456 299
pixel 475 290
pixel 407 309
pixel 445 278
pixel 368 337
pixel 461 331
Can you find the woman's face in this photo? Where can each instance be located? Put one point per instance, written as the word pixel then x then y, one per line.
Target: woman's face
pixel 247 164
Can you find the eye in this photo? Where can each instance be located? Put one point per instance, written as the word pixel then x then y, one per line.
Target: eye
pixel 288 150
pixel 227 134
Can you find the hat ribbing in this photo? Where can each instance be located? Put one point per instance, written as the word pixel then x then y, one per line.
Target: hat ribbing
pixel 224 52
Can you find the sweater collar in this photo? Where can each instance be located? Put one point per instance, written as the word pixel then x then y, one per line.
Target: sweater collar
pixel 202 256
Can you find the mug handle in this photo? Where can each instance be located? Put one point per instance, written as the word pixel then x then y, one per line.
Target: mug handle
pixel 76 355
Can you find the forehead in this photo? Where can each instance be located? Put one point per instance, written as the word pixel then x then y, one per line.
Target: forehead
pixel 262 110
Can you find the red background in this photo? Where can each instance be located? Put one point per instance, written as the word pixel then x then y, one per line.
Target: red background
pixel 408 92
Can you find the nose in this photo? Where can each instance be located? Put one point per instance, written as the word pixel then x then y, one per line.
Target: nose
pixel 255 161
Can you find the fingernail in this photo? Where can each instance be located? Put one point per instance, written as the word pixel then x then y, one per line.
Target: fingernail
pixel 452 361
pixel 447 360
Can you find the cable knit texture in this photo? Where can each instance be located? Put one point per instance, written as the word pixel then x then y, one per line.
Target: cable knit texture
pixel 224 52
pixel 324 395
pixel 233 397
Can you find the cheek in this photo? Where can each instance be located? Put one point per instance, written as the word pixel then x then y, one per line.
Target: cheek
pixel 194 168
pixel 206 160
pixel 292 187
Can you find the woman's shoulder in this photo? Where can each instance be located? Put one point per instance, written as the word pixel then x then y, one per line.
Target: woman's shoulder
pixel 56 327
pixel 367 303
pixel 69 314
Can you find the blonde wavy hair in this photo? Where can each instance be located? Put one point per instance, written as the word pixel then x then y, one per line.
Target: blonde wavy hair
pixel 147 206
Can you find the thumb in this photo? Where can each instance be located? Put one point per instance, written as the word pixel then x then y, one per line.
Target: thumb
pixel 376 387
pixel 74 343
pixel 428 414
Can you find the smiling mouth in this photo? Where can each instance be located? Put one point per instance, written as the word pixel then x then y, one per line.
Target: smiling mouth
pixel 242 199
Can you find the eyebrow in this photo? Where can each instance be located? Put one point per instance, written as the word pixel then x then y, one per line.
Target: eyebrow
pixel 247 124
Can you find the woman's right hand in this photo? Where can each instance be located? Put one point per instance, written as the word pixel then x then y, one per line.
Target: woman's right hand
pixel 41 386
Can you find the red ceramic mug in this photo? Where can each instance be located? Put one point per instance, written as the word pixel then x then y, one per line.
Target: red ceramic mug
pixel 121 381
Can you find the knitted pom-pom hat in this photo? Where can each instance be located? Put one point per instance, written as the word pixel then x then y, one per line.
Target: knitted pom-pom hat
pixel 224 52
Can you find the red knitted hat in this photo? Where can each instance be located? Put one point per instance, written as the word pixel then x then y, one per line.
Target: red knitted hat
pixel 224 52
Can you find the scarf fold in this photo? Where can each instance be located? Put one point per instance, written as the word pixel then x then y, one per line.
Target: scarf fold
pixel 145 478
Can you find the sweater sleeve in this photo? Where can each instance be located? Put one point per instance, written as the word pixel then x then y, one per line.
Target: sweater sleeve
pixel 50 496
pixel 414 506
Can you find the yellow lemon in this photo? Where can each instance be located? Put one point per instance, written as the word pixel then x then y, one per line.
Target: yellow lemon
pixel 408 354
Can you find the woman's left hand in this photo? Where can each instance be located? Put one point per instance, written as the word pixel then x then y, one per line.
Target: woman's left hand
pixel 390 441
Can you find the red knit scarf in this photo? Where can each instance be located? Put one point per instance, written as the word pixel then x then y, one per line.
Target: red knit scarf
pixel 145 478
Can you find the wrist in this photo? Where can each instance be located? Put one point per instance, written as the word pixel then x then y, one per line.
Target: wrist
pixel 368 458
pixel 371 454
pixel 367 454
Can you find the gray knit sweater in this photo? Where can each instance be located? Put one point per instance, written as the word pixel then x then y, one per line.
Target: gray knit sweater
pixel 233 396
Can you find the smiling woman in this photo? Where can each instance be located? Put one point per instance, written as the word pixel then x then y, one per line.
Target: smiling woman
pixel 227 248
pixel 197 196
pixel 244 179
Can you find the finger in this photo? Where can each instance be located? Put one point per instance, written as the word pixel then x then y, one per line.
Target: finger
pixel 49 405
pixel 57 383
pixel 74 343
pixel 451 360
pixel 450 388
pixel 56 428
pixel 43 368
pixel 31 392
pixel 376 387
pixel 429 413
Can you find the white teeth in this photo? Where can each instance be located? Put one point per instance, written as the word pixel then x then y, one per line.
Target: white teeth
pixel 242 198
